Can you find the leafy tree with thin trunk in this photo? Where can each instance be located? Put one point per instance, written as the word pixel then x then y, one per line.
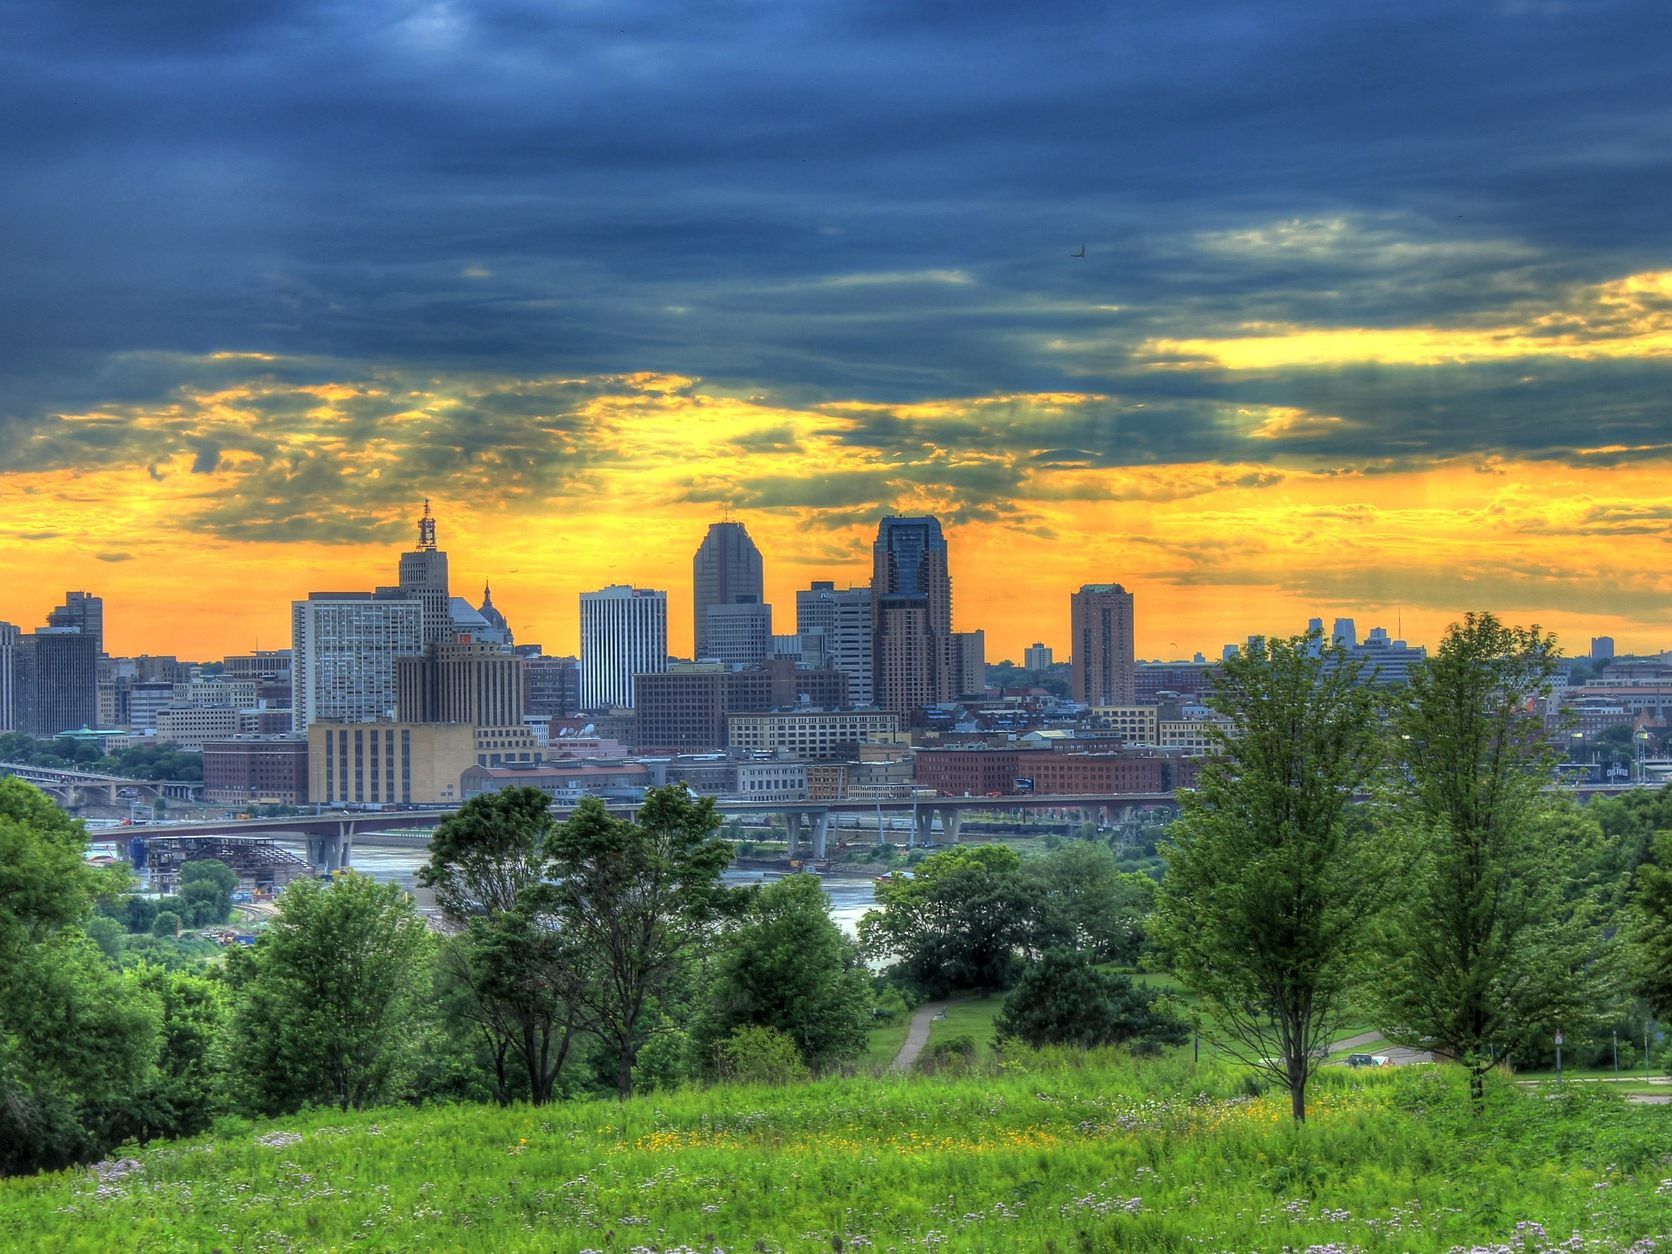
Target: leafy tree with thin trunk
pixel 1493 929
pixel 337 999
pixel 518 969
pixel 1271 876
pixel 639 900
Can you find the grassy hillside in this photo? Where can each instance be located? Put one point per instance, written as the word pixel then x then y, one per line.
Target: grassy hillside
pixel 1065 1155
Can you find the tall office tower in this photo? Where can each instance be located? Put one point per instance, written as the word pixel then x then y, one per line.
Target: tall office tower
pixel 624 632
pixel 1037 657
pixel 59 688
pixel 1104 666
pixel 11 672
pixel 1602 648
pixel 914 658
pixel 725 571
pixel 83 612
pixel 476 683
pixel 423 577
pixel 844 616
pixel 739 634
pixel 1344 633
pixel 342 655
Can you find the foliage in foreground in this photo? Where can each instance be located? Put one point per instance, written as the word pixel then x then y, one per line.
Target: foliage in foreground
pixel 1054 1153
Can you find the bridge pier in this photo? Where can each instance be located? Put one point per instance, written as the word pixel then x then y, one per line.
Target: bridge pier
pixel 821 833
pixel 332 851
pixel 792 826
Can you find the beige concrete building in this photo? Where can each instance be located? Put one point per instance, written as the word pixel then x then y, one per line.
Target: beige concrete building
pixel 406 763
pixel 189 726
pixel 1134 724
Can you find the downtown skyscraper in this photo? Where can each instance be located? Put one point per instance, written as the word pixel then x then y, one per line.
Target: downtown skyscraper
pixel 725 571
pixel 914 657
pixel 624 632
pixel 423 578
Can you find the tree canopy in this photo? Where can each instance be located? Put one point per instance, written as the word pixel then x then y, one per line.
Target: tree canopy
pixel 1271 876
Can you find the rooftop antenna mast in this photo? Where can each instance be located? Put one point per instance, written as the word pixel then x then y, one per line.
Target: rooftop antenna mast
pixel 426 530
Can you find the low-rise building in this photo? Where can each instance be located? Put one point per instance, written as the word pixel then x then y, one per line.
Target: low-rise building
pixel 813 734
pixel 772 781
pixel 407 763
pixel 564 782
pixel 256 770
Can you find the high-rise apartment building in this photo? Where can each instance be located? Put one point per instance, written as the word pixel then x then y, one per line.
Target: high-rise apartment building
pixel 343 651
pixel 58 681
pixel 738 634
pixel 423 578
pixel 914 658
pixel 475 683
pixel 843 616
pixel 725 571
pixel 11 672
pixel 624 632
pixel 1602 648
pixel 1037 657
pixel 970 650
pixel 83 612
pixel 1104 665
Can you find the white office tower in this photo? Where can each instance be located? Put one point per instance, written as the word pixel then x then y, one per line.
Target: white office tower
pixel 624 632
pixel 843 617
pixel 343 651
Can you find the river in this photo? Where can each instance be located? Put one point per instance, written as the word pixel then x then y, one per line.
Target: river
pixel 849 897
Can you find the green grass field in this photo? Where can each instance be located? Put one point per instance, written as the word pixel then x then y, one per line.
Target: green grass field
pixel 1048 1153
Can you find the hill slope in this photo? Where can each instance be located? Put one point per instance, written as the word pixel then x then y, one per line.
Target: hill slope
pixel 1078 1156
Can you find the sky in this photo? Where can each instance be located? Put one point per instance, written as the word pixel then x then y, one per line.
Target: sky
pixel 1373 316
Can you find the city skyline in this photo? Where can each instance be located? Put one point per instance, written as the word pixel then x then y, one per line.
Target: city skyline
pixel 1329 312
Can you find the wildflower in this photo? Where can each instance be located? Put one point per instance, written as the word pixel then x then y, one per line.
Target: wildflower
pixel 278 1140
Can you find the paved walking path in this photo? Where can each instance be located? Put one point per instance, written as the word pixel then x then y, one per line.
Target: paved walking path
pixel 917 1036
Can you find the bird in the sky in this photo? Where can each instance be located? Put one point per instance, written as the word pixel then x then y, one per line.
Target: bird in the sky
pixel 1081 253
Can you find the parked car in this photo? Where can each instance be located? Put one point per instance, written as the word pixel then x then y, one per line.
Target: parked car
pixel 1367 1060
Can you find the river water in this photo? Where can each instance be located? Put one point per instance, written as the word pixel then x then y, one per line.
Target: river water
pixel 849 897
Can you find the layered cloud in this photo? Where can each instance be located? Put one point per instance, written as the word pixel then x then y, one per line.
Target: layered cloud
pixel 1263 314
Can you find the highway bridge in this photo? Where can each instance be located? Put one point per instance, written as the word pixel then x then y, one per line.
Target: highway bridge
pixel 330 837
pixel 77 788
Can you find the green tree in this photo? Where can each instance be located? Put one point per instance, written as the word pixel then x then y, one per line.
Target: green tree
pixel 167 924
pixel 75 1034
pixel 752 1054
pixel 1063 999
pixel 337 999
pixel 640 900
pixel 185 1092
pixel 1102 910
pixel 1650 930
pixel 1493 932
pixel 789 967
pixel 518 969
pixel 206 888
pixel 962 921
pixel 1270 877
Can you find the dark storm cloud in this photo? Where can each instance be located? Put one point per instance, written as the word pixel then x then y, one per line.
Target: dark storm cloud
pixel 872 200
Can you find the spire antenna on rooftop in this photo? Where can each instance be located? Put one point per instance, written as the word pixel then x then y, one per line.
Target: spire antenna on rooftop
pixel 426 530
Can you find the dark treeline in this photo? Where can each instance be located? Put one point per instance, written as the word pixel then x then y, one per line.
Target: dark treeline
pixel 1466 909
